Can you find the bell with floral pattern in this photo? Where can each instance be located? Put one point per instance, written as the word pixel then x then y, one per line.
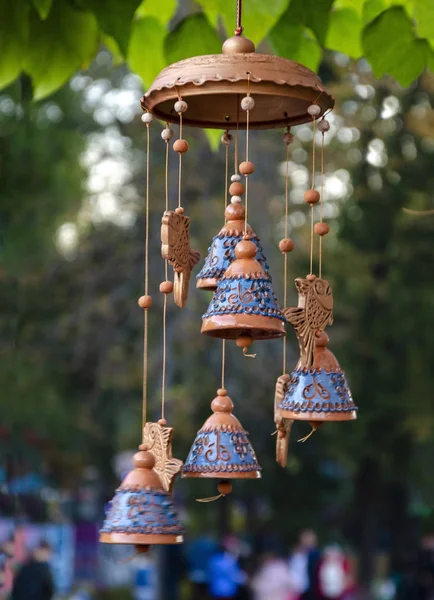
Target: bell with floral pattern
pixel 141 512
pixel 222 449
pixel 244 306
pixel 221 253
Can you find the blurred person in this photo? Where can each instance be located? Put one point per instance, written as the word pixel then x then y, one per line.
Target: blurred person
pixel 224 575
pixel 272 581
pixel 303 564
pixel 34 580
pixel 333 579
pixel 199 553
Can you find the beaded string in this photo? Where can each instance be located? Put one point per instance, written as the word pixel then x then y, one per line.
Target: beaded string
pixel 249 103
pixel 239 28
pixel 312 187
pixel 226 140
pixel 285 255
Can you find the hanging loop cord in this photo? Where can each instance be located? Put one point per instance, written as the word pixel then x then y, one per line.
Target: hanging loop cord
pixel 145 320
pixel 285 255
pixel 239 28
pixel 166 277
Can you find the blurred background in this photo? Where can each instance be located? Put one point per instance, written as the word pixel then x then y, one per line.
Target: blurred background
pixel 357 497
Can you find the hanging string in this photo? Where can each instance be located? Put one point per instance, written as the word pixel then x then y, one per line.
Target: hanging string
pixel 312 187
pixel 320 204
pixel 226 203
pixel 239 27
pixel 236 136
pixel 180 163
pixel 247 158
pixel 285 256
pixel 145 320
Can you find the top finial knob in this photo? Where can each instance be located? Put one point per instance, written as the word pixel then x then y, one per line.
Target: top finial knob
pixel 238 44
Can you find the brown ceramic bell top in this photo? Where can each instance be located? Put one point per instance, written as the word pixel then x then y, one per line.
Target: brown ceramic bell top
pixel 222 407
pixel 143 474
pixel 245 252
pixel 323 357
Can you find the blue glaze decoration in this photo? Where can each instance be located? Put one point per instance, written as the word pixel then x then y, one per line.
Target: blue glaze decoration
pixel 221 450
pixel 318 390
pixel 146 511
pixel 221 254
pixel 244 294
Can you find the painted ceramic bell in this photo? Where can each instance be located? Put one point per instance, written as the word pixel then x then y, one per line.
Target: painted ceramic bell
pixel 320 393
pixel 141 512
pixel 222 449
pixel 221 253
pixel 244 306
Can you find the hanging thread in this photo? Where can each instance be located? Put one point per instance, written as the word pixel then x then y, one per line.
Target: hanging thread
pixel 180 163
pixel 312 187
pixel 320 204
pixel 145 320
pixel 239 28
pixel 285 256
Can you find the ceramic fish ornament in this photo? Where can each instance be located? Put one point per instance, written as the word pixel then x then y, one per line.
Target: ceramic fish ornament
pixel 283 425
pixel 158 440
pixel 175 247
pixel 313 314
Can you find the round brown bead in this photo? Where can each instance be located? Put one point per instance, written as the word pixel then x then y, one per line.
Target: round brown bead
pixel 247 167
pixel 166 287
pixel 162 422
pixel 311 277
pixel 244 341
pixel 235 212
pixel 321 228
pixel 286 245
pixel 179 210
pixel 236 189
pixel 145 302
pixel 224 487
pixel 311 196
pixel 180 146
pixel 245 249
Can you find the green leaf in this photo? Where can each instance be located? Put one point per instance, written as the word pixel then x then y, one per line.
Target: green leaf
pixel 423 13
pixel 297 43
pixel 372 8
pixel 163 10
pixel 258 17
pixel 214 138
pixel 390 46
pixel 115 18
pixel 348 21
pixel 313 14
pixel 43 7
pixel 13 38
pixel 146 49
pixel 59 46
pixel 193 36
pixel 355 5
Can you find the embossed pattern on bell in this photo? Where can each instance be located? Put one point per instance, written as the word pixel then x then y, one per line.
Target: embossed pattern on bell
pixel 221 450
pixel 143 511
pixel 250 294
pixel 318 390
pixel 221 254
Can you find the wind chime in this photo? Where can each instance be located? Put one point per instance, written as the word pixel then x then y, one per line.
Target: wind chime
pixel 236 90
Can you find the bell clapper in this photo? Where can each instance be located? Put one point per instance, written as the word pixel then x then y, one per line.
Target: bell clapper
pixel 244 342
pixel 224 488
pixel 315 425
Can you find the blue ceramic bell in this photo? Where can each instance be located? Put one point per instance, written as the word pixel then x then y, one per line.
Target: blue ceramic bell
pixel 320 393
pixel 222 449
pixel 221 253
pixel 244 306
pixel 141 512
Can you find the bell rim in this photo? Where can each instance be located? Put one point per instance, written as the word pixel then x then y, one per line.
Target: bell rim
pixel 283 89
pixel 140 538
pixel 254 474
pixel 221 326
pixel 208 284
pixel 350 415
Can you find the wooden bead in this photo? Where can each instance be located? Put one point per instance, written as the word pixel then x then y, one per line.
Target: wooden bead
pixel 179 210
pixel 247 167
pixel 162 422
pixel 244 341
pixel 166 287
pixel 286 245
pixel 181 106
pixel 145 302
pixel 222 392
pixel 311 196
pixel 180 146
pixel 311 277
pixel 321 228
pixel 224 487
pixel 236 189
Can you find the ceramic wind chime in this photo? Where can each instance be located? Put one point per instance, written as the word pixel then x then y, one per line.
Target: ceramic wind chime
pixel 232 91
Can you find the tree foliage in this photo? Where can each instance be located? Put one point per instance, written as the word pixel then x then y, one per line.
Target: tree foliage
pixel 49 40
